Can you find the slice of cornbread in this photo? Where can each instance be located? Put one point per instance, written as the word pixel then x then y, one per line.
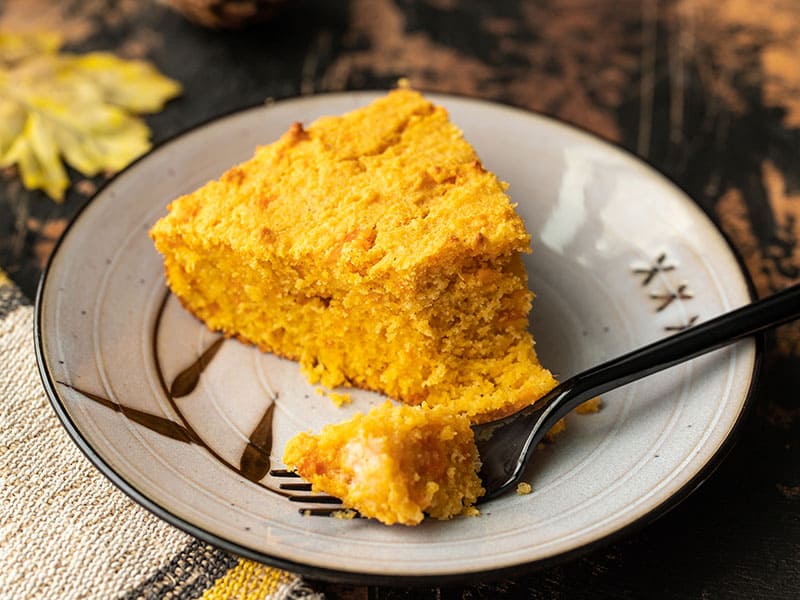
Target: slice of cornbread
pixel 375 249
pixel 394 464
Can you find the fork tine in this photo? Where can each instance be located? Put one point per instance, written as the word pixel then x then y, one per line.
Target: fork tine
pixel 296 487
pixel 304 495
pixel 315 499
pixel 325 512
pixel 283 473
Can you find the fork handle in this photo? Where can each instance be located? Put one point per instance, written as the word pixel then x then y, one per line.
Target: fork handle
pixel 503 463
pixel 690 343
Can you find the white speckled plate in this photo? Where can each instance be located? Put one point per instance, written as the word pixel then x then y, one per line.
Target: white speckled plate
pixel 621 257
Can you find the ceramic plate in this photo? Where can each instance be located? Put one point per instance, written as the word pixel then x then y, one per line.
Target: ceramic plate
pixel 188 425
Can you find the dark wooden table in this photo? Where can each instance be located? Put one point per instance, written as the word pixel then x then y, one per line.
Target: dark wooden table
pixel 706 91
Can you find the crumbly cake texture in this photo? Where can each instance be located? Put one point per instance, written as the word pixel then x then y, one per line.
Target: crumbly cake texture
pixel 376 250
pixel 395 463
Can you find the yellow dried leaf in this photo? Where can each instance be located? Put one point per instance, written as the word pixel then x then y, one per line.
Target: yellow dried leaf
pixel 12 120
pixel 79 108
pixel 134 85
pixel 15 47
pixel 36 155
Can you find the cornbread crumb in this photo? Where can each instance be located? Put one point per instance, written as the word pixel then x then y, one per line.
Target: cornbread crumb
pixel 375 249
pixel 340 399
pixel 559 427
pixel 592 405
pixel 345 514
pixel 524 488
pixel 471 511
pixel 394 464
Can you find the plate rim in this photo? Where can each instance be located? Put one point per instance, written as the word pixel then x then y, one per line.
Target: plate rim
pixel 357 577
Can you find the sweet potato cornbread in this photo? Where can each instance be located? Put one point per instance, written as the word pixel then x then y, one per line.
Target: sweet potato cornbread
pixel 375 249
pixel 394 464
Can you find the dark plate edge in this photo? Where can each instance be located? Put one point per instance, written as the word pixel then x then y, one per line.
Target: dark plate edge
pixel 338 576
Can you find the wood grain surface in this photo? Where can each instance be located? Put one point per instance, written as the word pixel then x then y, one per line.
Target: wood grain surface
pixel 706 91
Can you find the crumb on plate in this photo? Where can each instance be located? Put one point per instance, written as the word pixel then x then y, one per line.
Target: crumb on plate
pixel 524 488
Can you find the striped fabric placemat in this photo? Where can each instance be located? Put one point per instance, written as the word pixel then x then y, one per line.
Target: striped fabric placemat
pixel 67 532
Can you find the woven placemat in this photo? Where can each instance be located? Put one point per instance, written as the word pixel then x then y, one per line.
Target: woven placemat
pixel 67 532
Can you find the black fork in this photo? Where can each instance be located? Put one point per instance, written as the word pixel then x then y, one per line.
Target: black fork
pixel 506 446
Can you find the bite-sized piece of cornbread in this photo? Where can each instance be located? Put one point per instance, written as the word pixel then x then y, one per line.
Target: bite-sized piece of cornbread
pixel 395 464
pixel 375 249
